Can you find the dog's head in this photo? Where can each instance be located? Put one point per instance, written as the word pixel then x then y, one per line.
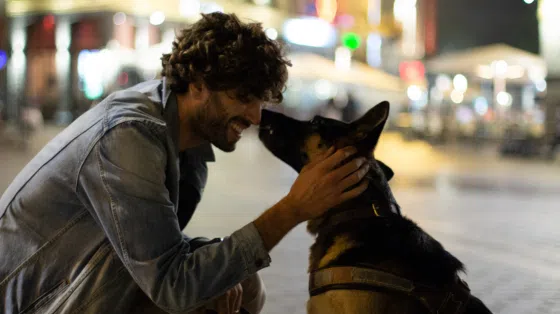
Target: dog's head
pixel 299 142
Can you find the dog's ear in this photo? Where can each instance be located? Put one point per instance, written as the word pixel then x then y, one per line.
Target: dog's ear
pixel 387 171
pixel 368 128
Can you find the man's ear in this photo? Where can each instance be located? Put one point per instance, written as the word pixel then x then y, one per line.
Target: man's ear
pixel 198 91
pixel 387 171
pixel 368 128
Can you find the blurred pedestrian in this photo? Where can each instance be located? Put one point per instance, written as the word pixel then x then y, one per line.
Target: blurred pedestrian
pixel 330 110
pixel 350 111
pixel 556 135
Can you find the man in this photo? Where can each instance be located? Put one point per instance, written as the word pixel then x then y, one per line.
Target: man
pixel 93 223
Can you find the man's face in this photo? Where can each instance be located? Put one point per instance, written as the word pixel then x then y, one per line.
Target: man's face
pixel 222 119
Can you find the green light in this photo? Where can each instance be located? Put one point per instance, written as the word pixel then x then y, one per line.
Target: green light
pixel 351 41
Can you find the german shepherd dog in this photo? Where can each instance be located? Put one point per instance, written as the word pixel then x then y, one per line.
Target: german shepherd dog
pixel 367 257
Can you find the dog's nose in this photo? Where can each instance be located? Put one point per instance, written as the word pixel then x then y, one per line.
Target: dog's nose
pixel 266 129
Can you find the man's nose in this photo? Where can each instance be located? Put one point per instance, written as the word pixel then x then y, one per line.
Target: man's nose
pixel 254 113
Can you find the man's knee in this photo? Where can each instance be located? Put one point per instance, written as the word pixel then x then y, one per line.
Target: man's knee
pixel 254 294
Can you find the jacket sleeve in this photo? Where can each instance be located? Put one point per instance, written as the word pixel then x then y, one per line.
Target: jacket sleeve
pixel 124 183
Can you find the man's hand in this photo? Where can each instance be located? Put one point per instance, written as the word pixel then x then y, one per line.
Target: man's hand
pixel 230 302
pixel 320 186
pixel 324 183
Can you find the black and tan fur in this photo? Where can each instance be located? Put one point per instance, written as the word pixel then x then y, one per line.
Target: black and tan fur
pixel 379 238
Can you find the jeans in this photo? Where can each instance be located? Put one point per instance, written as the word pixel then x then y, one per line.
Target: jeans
pixel 254 296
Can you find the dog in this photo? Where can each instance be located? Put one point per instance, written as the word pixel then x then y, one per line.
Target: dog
pixel 367 257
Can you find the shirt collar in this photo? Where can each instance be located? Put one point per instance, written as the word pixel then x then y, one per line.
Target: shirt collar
pixel 171 116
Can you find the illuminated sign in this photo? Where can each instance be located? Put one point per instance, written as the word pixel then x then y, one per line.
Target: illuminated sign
pixel 326 9
pixel 430 41
pixel 309 31
pixel 89 62
pixel 3 59
pixel 412 71
pixel 351 41
pixel 549 24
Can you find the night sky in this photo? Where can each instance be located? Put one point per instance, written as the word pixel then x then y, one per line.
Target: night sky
pixel 470 23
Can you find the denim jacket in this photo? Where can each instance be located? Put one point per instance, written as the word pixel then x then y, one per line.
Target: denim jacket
pixel 95 218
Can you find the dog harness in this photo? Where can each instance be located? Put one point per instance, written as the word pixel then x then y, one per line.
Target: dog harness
pixel 451 300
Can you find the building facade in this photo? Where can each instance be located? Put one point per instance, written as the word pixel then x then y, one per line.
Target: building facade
pixel 62 55
pixel 549 31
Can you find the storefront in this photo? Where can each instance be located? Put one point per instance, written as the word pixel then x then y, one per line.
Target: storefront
pixel 549 31
pixel 494 87
pixel 64 55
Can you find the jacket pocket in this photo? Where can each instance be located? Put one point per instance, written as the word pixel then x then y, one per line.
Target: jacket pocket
pixel 45 298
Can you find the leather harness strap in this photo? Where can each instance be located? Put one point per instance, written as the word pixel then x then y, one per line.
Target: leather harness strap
pixel 448 301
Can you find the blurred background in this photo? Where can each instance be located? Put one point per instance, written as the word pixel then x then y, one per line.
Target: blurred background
pixel 473 134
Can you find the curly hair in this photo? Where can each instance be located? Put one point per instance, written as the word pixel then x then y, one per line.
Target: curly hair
pixel 227 55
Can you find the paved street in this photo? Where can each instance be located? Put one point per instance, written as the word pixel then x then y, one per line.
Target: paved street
pixel 500 217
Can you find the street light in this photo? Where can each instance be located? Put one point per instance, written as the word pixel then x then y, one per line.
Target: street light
pixel 481 105
pixel 460 83
pixel 343 58
pixel 157 18
pixel 541 85
pixel 414 93
pixel 443 82
pixel 119 18
pixel 504 99
pixel 271 33
pixel 457 96
pixel 529 1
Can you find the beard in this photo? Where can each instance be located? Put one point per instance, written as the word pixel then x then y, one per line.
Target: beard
pixel 212 123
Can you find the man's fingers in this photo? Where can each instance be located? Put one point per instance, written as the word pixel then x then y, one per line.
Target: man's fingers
pixel 355 191
pixel 348 169
pixel 223 303
pixel 231 300
pixel 335 159
pixel 239 299
pixel 329 151
pixel 354 177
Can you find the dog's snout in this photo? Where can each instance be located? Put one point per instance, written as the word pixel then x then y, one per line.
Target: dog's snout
pixel 266 129
pixel 265 132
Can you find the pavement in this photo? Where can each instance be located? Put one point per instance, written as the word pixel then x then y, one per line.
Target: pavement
pixel 499 216
pixel 14 154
